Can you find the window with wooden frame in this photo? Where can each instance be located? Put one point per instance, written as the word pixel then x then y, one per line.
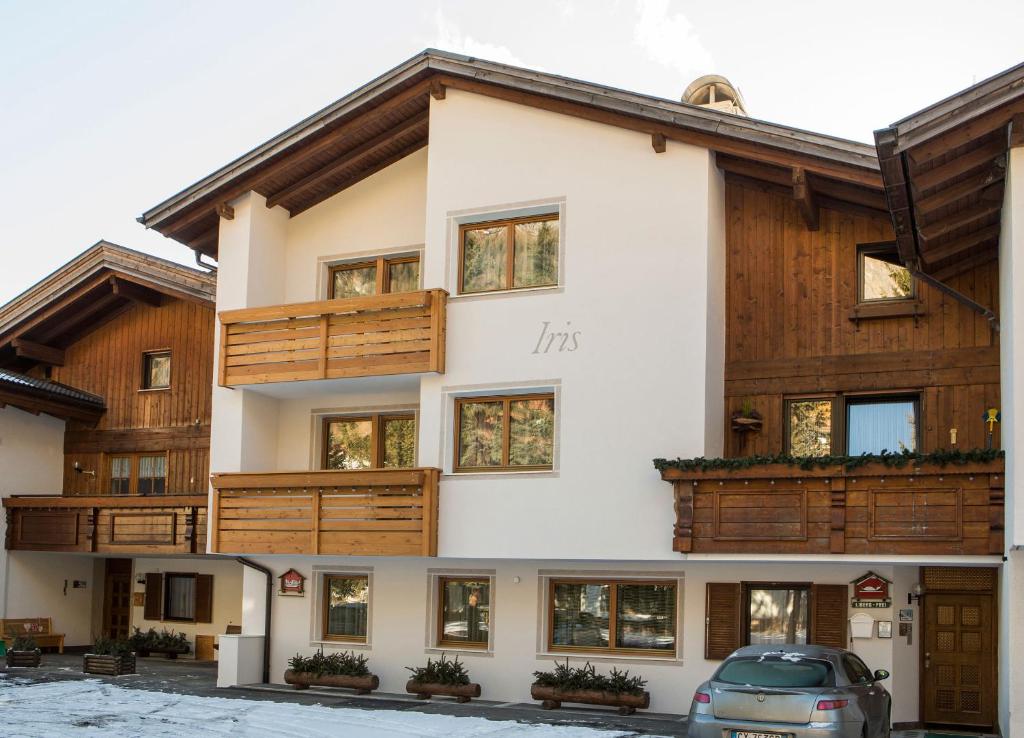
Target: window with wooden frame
pixel 464 612
pixel 737 614
pixel 179 597
pixel 373 441
pixel 612 616
pixel 380 276
pixel 346 606
pixel 156 370
pixel 880 275
pixel 506 432
pixel 510 254
pixel 808 426
pixel 882 423
pixel 137 474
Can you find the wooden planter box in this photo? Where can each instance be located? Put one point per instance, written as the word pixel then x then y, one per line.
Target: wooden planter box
pixel 426 690
pixel 305 680
pixel 108 665
pixel 553 697
pixel 23 658
pixel 168 653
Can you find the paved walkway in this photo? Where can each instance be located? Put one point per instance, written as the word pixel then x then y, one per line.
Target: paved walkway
pixel 184 676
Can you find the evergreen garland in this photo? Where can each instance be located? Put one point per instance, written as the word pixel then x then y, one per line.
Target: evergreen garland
pixel 941 458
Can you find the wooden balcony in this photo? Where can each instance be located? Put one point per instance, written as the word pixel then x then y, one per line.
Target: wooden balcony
pixel 171 524
pixel 874 509
pixel 370 512
pixel 357 337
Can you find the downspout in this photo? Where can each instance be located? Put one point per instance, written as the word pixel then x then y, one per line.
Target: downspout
pixel 211 268
pixel 266 613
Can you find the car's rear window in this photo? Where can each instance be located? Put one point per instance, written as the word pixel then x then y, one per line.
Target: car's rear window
pixel 776 671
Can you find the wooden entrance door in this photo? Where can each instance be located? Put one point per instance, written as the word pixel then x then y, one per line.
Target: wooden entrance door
pixel 959 658
pixel 117 598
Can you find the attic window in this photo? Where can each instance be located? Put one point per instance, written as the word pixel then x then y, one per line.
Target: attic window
pixel 156 370
pixel 880 276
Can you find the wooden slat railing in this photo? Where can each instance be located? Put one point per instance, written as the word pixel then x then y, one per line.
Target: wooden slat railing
pixel 873 509
pixel 118 525
pixel 369 512
pixel 356 337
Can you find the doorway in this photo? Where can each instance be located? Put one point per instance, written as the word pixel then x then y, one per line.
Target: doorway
pixel 958 649
pixel 117 598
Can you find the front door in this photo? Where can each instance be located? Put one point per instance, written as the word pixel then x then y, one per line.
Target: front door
pixel 117 598
pixel 958 685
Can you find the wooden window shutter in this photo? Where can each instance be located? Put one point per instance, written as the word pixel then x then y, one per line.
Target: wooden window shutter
pixel 154 609
pixel 828 614
pixel 723 618
pixel 204 598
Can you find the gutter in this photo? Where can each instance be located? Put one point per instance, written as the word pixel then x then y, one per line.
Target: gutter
pixel 266 617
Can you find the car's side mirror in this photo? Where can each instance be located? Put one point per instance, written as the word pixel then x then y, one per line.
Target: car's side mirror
pixel 881 675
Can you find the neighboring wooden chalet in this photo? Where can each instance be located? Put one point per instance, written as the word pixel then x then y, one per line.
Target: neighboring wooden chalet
pixel 118 344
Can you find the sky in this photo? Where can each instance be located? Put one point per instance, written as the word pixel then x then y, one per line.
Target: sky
pixel 108 107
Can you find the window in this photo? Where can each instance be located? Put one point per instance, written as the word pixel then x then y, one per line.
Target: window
pixel 375 277
pixel 137 474
pixel 369 441
pixel 346 606
pixel 777 614
pixel 776 672
pixel 881 423
pixel 856 670
pixel 809 427
pixel 156 370
pixel 513 254
pixel 180 603
pixel 613 616
pixel 465 612
pixel 510 433
pixel 880 275
pixel 120 475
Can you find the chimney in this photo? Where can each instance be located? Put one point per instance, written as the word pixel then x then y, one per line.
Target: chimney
pixel 716 92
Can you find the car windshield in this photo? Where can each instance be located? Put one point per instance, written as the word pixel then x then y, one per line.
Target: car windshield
pixel 787 670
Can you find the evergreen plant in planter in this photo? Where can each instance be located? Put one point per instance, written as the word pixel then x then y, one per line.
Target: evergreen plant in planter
pixel 23 652
pixel 344 669
pixel 442 677
pixel 110 657
pixel 584 685
pixel 167 642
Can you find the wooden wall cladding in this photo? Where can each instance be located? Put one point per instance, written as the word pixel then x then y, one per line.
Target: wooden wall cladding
pixel 108 362
pixel 872 510
pixel 790 293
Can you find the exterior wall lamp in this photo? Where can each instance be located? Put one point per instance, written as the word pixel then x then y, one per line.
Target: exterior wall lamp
pixel 915 594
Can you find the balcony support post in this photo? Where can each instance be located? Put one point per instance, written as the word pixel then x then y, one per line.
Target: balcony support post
pixel 324 340
pixel 837 522
pixel 682 541
pixel 314 509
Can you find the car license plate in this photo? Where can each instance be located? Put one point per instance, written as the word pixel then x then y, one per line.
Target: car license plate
pixel 750 734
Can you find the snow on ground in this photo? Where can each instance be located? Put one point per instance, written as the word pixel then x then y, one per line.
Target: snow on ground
pixel 95 708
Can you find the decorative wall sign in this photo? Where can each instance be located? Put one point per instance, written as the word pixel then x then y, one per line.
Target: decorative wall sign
pixel 871 590
pixel 138 599
pixel 906 614
pixel 292 584
pixel 885 629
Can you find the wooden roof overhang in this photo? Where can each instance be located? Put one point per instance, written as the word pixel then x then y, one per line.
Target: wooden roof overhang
pixel 388 119
pixel 93 288
pixel 944 169
pixel 34 395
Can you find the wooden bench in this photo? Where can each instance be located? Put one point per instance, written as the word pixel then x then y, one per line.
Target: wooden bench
pixel 38 629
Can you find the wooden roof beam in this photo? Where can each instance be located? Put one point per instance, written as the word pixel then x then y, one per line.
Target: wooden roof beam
pixel 25 349
pixel 991 154
pixel 934 254
pixel 1015 135
pixel 349 158
pixel 957 220
pixel 136 292
pixel 805 199
pixel 948 195
pixel 658 143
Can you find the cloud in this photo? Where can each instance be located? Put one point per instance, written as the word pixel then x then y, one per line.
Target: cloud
pixel 449 37
pixel 670 39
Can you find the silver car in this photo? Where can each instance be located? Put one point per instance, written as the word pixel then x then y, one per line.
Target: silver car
pixel 791 691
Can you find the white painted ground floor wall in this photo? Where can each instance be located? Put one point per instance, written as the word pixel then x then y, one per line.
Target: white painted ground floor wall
pixel 41 584
pixel 403 607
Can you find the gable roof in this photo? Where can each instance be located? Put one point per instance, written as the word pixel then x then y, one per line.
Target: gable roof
pixel 944 169
pixel 90 289
pixel 35 395
pixel 388 118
